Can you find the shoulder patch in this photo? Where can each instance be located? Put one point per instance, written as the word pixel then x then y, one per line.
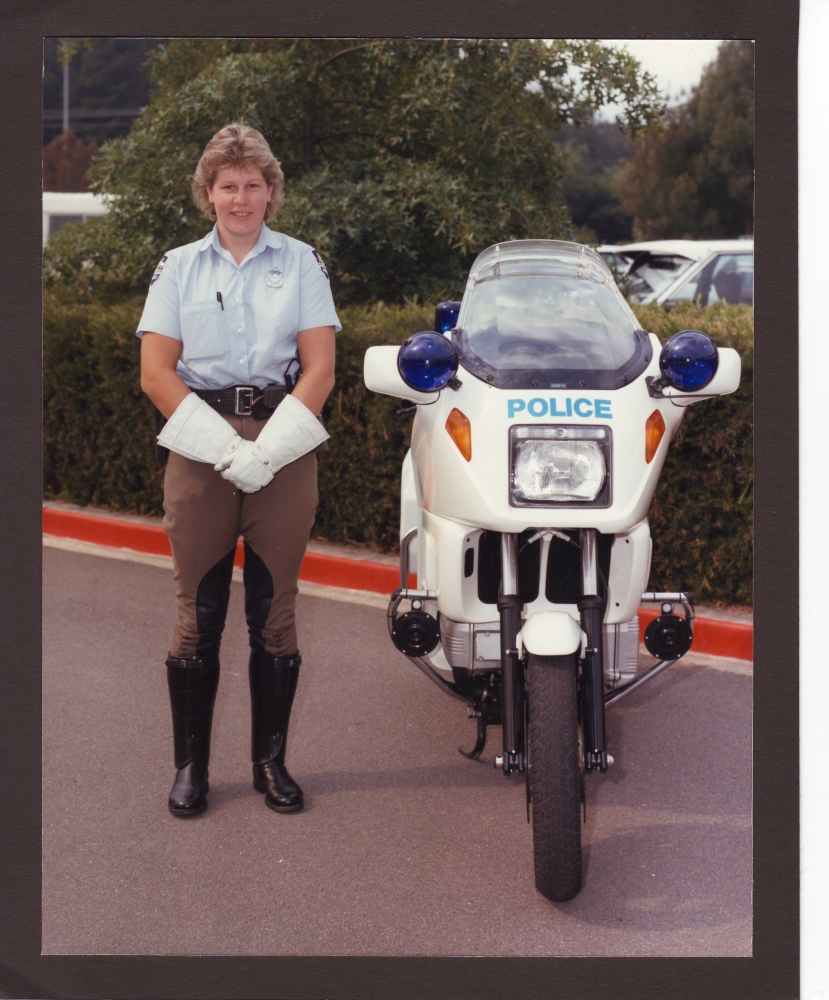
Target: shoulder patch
pixel 158 270
pixel 319 261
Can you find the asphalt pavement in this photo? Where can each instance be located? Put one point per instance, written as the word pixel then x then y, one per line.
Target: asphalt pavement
pixel 404 846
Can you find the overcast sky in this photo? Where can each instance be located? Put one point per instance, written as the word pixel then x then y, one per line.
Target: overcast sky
pixel 677 64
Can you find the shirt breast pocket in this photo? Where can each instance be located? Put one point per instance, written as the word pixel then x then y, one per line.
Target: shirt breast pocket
pixel 202 331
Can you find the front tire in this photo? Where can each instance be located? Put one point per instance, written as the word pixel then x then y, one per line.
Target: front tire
pixel 555 775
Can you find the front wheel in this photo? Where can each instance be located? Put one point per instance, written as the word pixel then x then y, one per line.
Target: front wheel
pixel 555 775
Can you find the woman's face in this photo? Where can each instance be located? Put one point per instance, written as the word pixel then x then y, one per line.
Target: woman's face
pixel 241 197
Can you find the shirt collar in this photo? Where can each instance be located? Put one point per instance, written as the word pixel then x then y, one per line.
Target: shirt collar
pixel 267 238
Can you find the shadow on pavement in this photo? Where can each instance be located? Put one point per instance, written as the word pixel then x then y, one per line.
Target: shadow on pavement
pixel 467 775
pixel 660 878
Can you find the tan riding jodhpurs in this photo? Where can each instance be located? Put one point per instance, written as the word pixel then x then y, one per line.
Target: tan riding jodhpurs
pixel 204 515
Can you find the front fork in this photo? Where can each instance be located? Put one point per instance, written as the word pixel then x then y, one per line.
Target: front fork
pixel 514 757
pixel 591 607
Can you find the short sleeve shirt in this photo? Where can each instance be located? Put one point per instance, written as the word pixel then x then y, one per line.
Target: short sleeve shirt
pixel 238 323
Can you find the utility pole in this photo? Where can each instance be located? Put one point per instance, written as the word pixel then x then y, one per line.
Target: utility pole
pixel 66 96
pixel 67 48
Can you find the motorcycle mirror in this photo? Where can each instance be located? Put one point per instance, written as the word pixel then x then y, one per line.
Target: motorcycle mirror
pixel 446 316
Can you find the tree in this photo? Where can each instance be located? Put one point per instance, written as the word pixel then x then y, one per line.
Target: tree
pixel 66 162
pixel 696 179
pixel 403 158
pixel 591 191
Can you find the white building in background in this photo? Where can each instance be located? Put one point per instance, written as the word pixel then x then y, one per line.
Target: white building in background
pixel 62 207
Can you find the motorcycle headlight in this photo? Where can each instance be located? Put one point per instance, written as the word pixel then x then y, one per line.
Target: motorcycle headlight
pixel 426 361
pixel 560 466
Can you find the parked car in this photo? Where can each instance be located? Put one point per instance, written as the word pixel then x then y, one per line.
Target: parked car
pixel 705 271
pixel 615 258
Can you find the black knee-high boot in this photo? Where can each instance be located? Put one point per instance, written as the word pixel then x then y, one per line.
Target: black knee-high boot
pixel 273 681
pixel 193 681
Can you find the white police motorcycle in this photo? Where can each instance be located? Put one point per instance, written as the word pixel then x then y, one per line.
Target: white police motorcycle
pixel 543 417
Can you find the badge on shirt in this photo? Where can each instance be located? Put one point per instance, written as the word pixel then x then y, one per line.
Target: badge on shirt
pixel 322 266
pixel 158 270
pixel 275 278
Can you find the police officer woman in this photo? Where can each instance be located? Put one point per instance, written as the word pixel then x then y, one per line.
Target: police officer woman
pixel 225 320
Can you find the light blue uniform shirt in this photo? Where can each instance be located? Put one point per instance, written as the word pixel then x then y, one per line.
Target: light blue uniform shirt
pixel 280 288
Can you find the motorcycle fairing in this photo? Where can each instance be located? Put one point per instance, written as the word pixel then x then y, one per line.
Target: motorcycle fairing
pixel 447 542
pixel 477 492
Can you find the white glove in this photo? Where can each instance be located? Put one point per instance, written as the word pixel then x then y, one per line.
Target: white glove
pixel 245 470
pixel 197 431
pixel 289 434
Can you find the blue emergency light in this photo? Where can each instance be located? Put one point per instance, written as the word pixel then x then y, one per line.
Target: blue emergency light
pixel 689 360
pixel 426 361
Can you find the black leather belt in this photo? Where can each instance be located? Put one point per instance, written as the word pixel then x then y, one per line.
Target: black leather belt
pixel 244 400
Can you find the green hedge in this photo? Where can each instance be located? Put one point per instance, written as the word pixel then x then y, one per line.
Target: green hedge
pixel 701 515
pixel 99 439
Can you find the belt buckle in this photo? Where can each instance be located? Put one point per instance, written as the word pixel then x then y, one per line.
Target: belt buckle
pixel 239 407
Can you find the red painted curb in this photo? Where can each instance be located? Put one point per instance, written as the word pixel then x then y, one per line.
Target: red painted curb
pixel 107 531
pixel 714 636
pixel 329 571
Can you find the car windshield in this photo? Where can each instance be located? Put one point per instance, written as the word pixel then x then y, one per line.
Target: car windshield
pixel 727 277
pixel 537 313
pixel 651 272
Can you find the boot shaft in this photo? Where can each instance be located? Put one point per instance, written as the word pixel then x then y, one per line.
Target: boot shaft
pixel 193 682
pixel 273 683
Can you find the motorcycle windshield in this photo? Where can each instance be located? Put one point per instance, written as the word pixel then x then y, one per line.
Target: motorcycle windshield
pixel 540 313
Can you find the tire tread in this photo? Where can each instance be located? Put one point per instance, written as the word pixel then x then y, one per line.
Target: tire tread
pixel 555 775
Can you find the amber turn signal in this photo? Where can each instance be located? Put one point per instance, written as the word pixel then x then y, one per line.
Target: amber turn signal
pixel 460 430
pixel 654 431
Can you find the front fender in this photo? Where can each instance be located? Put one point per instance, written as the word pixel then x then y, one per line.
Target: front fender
pixel 550 633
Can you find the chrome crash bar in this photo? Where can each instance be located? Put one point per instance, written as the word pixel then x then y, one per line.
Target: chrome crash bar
pixel 423 663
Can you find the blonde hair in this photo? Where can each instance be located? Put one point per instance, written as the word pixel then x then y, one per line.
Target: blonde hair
pixel 237 146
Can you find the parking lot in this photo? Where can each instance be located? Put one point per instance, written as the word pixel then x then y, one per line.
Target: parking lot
pixel 404 847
